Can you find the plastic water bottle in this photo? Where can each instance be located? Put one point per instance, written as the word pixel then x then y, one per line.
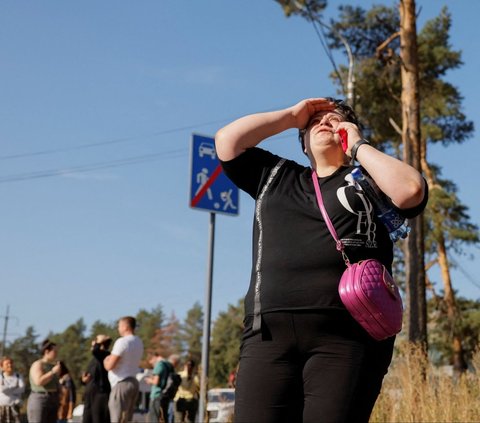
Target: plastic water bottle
pixel 396 225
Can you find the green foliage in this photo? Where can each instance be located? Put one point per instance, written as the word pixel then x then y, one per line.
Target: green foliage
pixel 378 89
pixel 365 30
pixel 447 220
pixel 434 48
pixel 377 73
pixel 442 118
pixel 225 344
pixel 441 331
pixel 24 351
pixel 309 9
pixel 167 338
pixel 73 348
pixel 191 332
pixel 148 323
pixel 378 81
pixel 98 327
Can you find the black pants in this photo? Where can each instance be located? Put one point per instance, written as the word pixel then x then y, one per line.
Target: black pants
pixel 185 410
pixel 96 406
pixel 310 367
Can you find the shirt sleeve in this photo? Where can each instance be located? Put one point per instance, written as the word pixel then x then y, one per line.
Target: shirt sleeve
pixel 415 211
pixel 158 369
pixel 119 347
pixel 249 170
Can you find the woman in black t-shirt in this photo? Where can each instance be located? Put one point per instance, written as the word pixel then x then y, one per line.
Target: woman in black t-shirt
pixel 97 389
pixel 303 357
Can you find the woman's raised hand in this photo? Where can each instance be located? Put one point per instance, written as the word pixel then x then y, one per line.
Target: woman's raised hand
pixel 305 109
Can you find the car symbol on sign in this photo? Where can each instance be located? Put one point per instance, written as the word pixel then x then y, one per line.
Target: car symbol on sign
pixel 207 149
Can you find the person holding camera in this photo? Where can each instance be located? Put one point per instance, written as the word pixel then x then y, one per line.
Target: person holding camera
pixel 303 357
pixel 42 405
pixel 159 407
pixel 97 385
pixel 12 387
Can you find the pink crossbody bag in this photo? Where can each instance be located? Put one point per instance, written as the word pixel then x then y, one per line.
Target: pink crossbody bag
pixel 366 288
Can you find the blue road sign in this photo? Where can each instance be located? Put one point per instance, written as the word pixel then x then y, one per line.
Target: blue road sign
pixel 210 189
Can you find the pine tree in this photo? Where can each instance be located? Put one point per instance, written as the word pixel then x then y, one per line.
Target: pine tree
pixel 72 348
pixel 148 323
pixel 191 332
pixel 225 346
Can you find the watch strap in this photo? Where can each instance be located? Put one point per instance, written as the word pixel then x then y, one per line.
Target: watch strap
pixel 353 151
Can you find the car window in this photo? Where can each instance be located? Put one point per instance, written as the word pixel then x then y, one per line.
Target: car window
pixel 221 397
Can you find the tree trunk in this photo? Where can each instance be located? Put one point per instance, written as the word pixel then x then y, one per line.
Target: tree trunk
pixel 414 259
pixel 458 359
pixel 458 354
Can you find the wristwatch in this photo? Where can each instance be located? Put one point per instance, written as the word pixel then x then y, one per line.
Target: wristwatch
pixel 353 151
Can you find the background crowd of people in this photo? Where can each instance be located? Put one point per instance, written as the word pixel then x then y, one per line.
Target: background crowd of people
pixel 110 381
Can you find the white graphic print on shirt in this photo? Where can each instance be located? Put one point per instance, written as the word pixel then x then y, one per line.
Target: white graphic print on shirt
pixel 366 225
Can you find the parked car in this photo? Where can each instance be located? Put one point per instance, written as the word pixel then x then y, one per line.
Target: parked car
pixel 220 405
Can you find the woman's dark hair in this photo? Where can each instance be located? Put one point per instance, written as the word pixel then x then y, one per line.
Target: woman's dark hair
pixel 63 369
pixel 341 107
pixel 47 345
pixel 106 344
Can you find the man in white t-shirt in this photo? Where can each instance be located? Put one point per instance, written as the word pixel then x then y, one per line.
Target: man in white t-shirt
pixel 123 365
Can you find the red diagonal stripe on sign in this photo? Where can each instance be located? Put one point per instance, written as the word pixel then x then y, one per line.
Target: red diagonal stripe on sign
pixel 207 185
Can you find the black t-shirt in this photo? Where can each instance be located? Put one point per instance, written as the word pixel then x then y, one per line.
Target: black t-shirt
pixel 99 376
pixel 296 265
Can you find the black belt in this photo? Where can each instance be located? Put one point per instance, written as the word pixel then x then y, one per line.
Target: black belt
pixel 127 379
pixel 45 392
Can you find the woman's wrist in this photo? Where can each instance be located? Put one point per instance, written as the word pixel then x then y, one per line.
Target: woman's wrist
pixel 354 149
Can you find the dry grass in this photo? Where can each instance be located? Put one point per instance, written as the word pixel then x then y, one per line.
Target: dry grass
pixel 416 391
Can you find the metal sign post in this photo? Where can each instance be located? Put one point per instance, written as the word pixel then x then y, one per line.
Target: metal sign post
pixel 210 190
pixel 206 324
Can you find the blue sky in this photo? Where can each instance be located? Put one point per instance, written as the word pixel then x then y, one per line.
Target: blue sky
pixel 89 85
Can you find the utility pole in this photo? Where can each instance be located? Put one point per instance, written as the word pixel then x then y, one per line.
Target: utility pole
pixel 350 76
pixel 5 327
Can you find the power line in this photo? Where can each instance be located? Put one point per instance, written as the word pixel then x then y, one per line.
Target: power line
pixel 95 166
pixel 466 274
pixel 321 36
pixel 89 167
pixel 121 140
pixel 108 142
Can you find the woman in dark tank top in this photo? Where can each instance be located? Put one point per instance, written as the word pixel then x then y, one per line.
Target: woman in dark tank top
pixel 44 375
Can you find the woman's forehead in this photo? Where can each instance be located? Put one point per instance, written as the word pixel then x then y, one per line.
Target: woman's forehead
pixel 322 113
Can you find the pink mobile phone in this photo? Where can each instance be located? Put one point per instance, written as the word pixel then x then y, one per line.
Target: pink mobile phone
pixel 343 139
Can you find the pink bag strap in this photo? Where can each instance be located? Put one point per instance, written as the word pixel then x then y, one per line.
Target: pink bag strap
pixel 323 210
